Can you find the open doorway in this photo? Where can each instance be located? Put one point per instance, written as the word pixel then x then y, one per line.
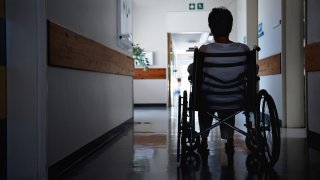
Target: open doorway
pixel 180 54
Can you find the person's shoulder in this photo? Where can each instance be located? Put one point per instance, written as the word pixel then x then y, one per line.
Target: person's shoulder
pixel 203 48
pixel 242 46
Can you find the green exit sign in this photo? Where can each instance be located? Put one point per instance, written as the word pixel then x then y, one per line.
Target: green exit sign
pixel 200 6
pixel 192 6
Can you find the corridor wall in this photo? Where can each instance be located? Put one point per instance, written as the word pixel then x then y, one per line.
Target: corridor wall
pixel 270 42
pixel 3 94
pixel 242 21
pixel 280 32
pixel 26 65
pixel 83 105
pixel 313 77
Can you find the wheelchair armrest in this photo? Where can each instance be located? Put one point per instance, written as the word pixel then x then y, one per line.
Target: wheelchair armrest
pixel 256 48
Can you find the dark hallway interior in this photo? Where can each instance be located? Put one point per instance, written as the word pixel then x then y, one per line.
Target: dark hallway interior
pixel 49 111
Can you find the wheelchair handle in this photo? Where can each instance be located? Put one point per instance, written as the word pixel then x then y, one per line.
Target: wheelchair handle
pixel 256 48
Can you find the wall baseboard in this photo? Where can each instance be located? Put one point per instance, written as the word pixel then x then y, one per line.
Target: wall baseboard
pixel 151 105
pixel 313 140
pixel 76 157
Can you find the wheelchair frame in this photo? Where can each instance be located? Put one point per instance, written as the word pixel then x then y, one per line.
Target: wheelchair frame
pixel 259 104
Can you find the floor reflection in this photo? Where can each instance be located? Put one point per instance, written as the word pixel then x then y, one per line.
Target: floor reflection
pixel 148 151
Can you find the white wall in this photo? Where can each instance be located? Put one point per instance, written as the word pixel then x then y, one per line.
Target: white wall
pixel 26 89
pixel 286 37
pixel 242 21
pixel 147 91
pixel 252 23
pixel 152 20
pixel 269 13
pixel 274 85
pixel 247 22
pixel 84 105
pixel 293 65
pixel 94 19
pixel 313 78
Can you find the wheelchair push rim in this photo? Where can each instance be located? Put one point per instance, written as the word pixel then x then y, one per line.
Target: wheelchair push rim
pixel 179 128
pixel 189 137
pixel 268 128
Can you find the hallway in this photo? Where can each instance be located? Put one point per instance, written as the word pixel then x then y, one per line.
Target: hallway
pixel 148 151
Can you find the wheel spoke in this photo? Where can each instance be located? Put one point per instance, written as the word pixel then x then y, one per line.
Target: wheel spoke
pixel 268 127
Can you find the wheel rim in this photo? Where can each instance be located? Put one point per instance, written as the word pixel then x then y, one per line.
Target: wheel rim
pixel 184 124
pixel 268 123
pixel 189 138
pixel 266 130
pixel 179 129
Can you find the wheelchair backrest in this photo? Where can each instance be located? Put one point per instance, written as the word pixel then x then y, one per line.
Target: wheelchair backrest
pixel 223 81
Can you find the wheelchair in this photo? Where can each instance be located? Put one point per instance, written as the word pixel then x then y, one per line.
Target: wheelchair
pixel 262 135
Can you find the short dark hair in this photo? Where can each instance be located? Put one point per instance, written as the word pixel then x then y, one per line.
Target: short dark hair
pixel 220 21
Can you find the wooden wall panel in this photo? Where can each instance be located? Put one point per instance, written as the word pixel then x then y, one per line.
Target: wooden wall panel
pixel 270 65
pixel 71 50
pixel 312 57
pixel 3 109
pixel 151 73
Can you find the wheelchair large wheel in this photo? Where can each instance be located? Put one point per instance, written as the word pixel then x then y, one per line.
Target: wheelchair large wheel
pixel 179 129
pixel 184 124
pixel 268 128
pixel 189 137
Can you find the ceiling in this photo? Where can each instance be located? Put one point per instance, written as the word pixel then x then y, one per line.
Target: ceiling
pixel 181 42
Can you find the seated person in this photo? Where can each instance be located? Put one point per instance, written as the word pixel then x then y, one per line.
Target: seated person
pixel 220 23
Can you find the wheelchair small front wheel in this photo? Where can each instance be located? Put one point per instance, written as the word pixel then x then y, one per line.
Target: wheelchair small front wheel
pixel 190 140
pixel 251 144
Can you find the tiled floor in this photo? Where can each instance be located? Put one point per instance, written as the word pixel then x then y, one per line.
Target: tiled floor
pixel 148 151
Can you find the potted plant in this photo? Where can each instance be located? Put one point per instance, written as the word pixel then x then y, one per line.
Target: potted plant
pixel 139 57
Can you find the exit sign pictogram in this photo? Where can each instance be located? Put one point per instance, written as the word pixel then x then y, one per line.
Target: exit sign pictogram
pixel 199 5
pixel 192 6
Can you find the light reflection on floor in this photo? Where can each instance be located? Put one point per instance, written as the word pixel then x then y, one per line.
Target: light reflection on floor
pixel 148 151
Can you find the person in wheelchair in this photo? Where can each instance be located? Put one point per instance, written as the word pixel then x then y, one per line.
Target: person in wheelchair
pixel 220 23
